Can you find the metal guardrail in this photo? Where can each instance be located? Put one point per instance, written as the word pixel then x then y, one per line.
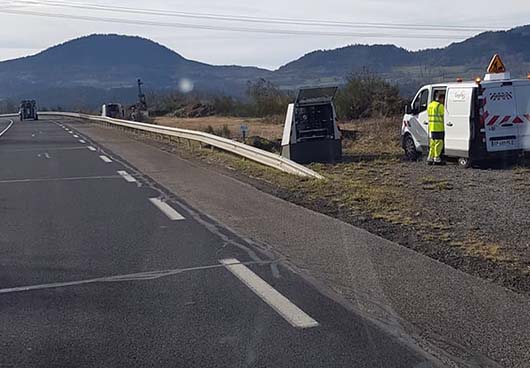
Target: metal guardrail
pixel 240 149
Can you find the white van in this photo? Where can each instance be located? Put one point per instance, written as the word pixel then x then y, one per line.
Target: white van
pixel 483 119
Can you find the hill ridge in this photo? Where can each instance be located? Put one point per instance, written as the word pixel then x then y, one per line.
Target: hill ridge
pixel 108 62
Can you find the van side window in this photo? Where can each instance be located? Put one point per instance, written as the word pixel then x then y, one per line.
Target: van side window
pixel 421 102
pixel 424 100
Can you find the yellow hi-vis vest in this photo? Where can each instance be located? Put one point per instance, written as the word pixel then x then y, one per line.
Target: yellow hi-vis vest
pixel 436 117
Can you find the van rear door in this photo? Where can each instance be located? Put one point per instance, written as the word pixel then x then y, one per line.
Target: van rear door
pixel 500 112
pixel 522 100
pixel 458 120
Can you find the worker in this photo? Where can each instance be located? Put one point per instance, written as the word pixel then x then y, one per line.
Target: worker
pixel 436 129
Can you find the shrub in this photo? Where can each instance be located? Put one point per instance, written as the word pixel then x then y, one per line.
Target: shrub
pixel 266 99
pixel 209 129
pixel 224 131
pixel 366 95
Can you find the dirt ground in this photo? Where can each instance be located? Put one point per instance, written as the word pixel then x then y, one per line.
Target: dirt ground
pixel 476 220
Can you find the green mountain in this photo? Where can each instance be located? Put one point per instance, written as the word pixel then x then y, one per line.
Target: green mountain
pixel 94 69
pixel 467 59
pixel 111 65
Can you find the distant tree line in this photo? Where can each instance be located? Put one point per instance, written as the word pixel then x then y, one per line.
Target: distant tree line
pixel 364 95
pixel 262 99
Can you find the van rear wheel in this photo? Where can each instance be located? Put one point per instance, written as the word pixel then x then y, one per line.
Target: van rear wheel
pixel 410 148
pixel 464 162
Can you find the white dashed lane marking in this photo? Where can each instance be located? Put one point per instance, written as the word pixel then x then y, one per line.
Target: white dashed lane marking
pixel 76 136
pixel 82 141
pixel 105 159
pixel 283 306
pixel 127 177
pixel 92 149
pixel 167 210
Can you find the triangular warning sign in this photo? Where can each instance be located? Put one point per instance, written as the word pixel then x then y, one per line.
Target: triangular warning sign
pixel 496 65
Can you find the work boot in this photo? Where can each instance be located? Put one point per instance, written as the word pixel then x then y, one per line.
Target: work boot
pixel 430 161
pixel 438 161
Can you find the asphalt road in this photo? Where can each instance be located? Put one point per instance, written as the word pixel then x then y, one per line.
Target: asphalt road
pixel 101 266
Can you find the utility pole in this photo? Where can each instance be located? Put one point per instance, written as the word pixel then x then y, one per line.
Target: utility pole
pixel 139 110
pixel 142 103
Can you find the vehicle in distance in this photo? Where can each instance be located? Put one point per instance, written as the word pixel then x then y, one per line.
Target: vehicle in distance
pixel 28 110
pixel 113 110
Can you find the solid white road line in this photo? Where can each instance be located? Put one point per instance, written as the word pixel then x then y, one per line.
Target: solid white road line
pixel 7 128
pixel 82 141
pixel 40 149
pixel 167 209
pixel 127 177
pixel 142 276
pixel 105 159
pixel 13 181
pixel 92 148
pixel 283 306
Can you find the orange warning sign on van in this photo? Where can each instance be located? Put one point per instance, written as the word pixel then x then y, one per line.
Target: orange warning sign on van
pixel 496 65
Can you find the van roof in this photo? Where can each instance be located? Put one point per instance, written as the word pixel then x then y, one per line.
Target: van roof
pixel 453 84
pixel 471 84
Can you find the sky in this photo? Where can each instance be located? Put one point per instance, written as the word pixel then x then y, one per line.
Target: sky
pixel 25 34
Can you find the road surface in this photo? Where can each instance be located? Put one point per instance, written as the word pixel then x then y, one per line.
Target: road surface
pixel 102 266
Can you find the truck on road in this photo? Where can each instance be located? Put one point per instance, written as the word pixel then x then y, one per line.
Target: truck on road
pixel 483 119
pixel 28 110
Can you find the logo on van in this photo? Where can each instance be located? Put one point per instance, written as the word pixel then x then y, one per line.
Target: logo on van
pixel 459 96
pixel 501 96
